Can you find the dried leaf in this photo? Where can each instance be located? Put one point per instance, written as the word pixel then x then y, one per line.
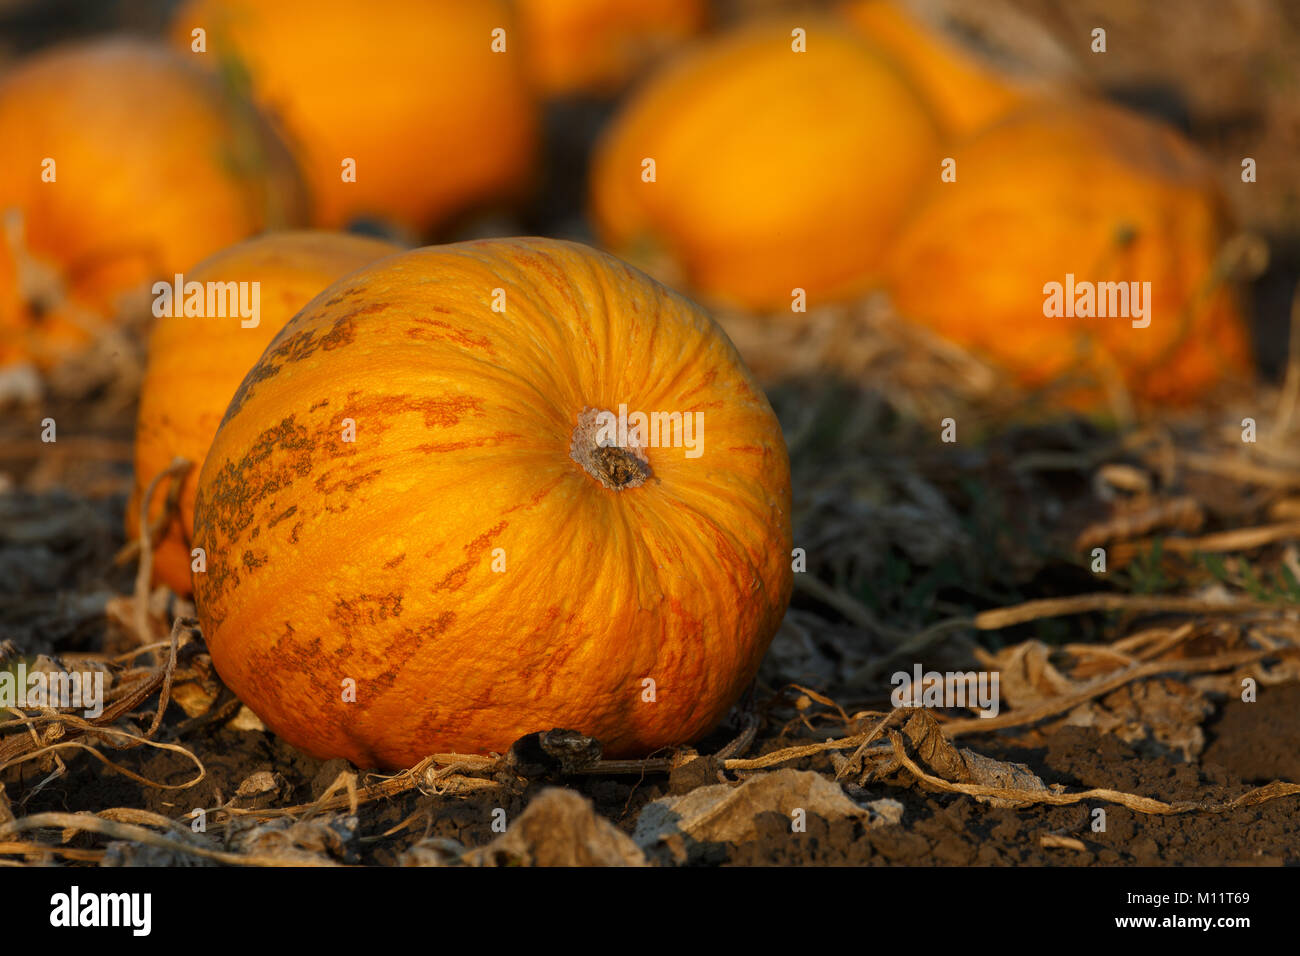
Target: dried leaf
pixel 1160 715
pixel 723 813
pixel 559 828
pixel 260 790
pixel 331 836
pixel 938 755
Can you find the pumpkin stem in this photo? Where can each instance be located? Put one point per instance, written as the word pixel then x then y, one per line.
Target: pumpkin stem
pixel 598 452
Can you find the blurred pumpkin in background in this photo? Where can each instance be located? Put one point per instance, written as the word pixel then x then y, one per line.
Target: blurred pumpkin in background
pixel 411 91
pixel 1085 189
pixel 773 169
pixel 197 362
pixel 966 91
pixel 596 46
pixel 120 164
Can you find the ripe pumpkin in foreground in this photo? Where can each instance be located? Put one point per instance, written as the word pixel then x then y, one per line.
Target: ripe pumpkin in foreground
pixel 596 46
pixel 773 169
pixel 410 90
pixel 417 492
pixel 197 362
pixel 120 164
pixel 1074 193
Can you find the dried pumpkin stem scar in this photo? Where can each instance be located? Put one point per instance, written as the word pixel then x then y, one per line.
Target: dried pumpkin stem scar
pixel 595 447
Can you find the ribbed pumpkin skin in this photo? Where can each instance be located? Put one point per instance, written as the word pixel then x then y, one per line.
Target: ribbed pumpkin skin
pixel 596 46
pixel 1050 191
pixel 155 170
pixel 775 169
pixel 196 364
pixel 373 560
pixel 409 89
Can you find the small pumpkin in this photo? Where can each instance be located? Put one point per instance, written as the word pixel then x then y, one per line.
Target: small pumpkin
pixel 423 535
pixel 594 47
pixel 121 164
pixel 197 362
pixel 410 91
pixel 773 170
pixel 1072 193
pixel 966 91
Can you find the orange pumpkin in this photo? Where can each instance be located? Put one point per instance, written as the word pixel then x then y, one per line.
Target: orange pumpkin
pixel 197 362
pixel 120 164
pixel 1073 193
pixel 416 501
pixel 773 169
pixel 596 46
pixel 967 93
pixel 409 90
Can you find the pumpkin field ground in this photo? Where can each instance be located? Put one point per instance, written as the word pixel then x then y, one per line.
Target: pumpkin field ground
pixel 1150 707
pixel 918 552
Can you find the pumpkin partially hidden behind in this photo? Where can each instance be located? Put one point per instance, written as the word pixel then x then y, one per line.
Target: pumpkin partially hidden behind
pixel 411 91
pixel 197 362
pixel 594 47
pixel 966 91
pixel 479 559
pixel 1085 189
pixel 120 164
pixel 774 169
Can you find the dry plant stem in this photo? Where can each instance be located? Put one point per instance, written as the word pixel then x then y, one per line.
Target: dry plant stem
pixel 955 728
pixel 14 746
pixel 794 753
pixel 422 814
pixel 135 652
pixel 1238 539
pixel 131 550
pixel 1148 644
pixel 852 610
pixel 919 642
pixel 457 781
pixel 1241 470
pixel 820 698
pixel 144 781
pixel 42 850
pixel 1182 514
pixel 346 782
pixel 1088 603
pixel 164 696
pixel 1290 396
pixel 1093 652
pixel 82 822
pixel 743 740
pixel 64 728
pixel 891 718
pixel 389 786
pixel 440 766
pixel 649 765
pixel 1190 665
pixel 175 472
pixel 1132 801
pixel 1057 841
pixel 144 818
